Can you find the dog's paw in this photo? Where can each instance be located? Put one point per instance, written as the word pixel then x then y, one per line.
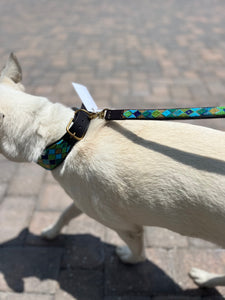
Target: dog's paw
pixel 49 233
pixel 202 278
pixel 126 255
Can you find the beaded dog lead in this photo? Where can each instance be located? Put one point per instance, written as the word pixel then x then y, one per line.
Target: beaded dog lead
pixel 55 153
pixel 164 114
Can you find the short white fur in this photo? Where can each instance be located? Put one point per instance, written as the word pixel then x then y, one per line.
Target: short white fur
pixel 124 174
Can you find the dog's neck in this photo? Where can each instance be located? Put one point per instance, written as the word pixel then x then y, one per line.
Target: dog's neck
pixel 53 121
pixel 42 127
pixel 30 124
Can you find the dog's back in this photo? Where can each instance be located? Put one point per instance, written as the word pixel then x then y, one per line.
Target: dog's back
pixel 156 173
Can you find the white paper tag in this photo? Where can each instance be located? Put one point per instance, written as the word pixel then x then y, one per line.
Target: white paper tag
pixel 85 97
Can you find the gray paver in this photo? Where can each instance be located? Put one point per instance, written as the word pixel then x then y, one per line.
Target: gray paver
pixel 180 298
pixel 41 220
pixel 53 198
pixel 15 215
pixel 84 252
pixel 31 297
pixel 23 296
pixel 7 170
pixel 212 260
pixel 2 191
pixel 81 284
pixel 29 269
pixel 143 278
pixel 26 181
pixel 127 298
pixel 158 237
pixel 162 53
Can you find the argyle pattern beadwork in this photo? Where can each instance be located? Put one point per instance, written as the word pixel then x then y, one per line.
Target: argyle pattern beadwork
pixel 54 155
pixel 174 113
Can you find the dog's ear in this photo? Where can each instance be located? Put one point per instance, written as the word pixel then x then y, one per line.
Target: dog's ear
pixel 12 69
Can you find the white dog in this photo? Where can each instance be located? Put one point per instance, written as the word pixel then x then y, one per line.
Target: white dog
pixel 124 174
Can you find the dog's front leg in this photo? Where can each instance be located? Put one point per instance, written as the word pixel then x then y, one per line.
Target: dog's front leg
pixel 205 279
pixel 69 213
pixel 134 251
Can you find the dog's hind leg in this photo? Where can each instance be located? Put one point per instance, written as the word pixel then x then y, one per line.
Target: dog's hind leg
pixel 69 213
pixel 205 279
pixel 134 251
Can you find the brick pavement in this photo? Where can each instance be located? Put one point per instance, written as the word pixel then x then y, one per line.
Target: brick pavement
pixel 130 54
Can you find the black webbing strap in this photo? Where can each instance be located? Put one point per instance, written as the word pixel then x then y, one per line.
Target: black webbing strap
pixel 79 127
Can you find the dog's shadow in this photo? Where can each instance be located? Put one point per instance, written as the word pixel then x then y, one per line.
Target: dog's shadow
pixel 84 267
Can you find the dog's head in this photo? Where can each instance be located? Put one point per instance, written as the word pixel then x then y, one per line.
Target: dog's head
pixel 19 125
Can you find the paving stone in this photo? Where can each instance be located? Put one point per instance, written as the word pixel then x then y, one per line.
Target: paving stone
pixel 24 203
pixel 83 251
pixel 112 238
pixel 30 296
pixel 127 298
pixel 2 158
pixel 27 180
pixel 179 298
pixel 3 188
pixel 140 89
pixel 49 178
pixel 220 73
pixel 61 294
pixel 13 224
pixel 216 88
pixel 199 90
pixel 160 90
pixel 219 297
pixel 210 260
pixel 29 270
pixel 180 92
pixel 52 197
pixel 147 279
pixel 41 220
pixel 85 225
pixel 3 296
pixel 7 170
pixel 160 237
pixel 79 284
pixel 197 243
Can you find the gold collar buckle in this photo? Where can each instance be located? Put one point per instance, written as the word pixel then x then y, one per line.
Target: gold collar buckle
pixel 91 115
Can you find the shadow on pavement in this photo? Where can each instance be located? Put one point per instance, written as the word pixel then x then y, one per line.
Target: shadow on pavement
pixel 83 267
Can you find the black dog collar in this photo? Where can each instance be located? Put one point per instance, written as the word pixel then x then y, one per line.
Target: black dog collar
pixel 55 153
